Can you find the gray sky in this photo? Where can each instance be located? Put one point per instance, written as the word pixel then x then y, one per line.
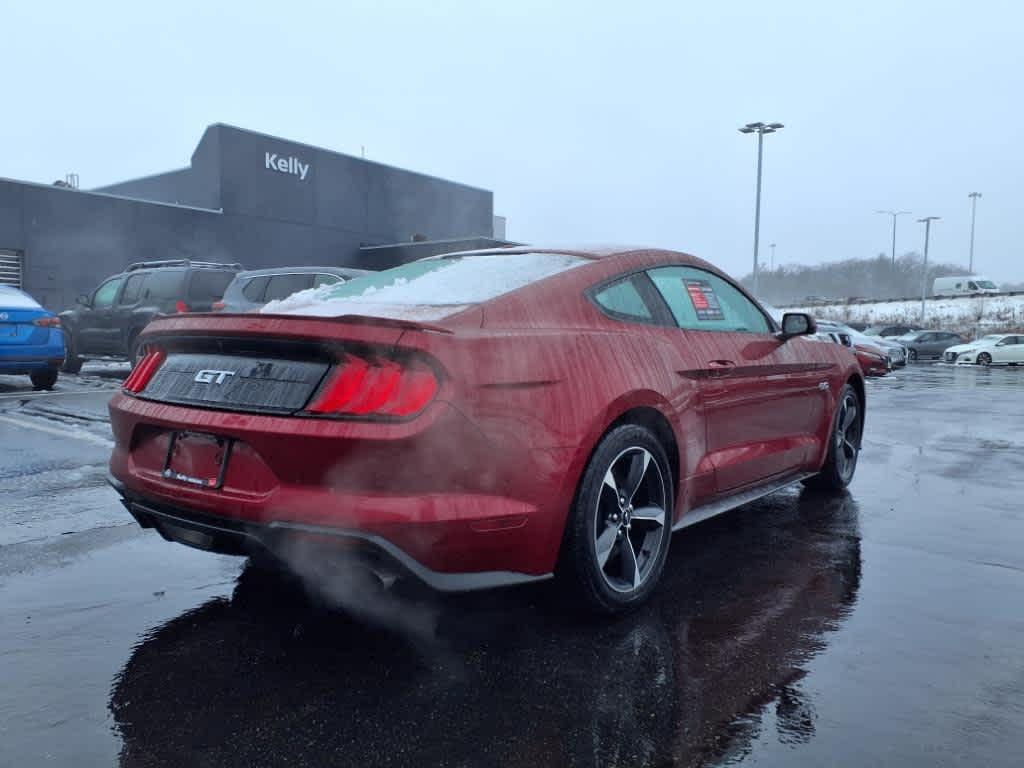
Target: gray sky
pixel 591 121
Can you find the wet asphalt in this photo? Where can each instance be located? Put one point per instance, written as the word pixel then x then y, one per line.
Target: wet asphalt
pixel 882 627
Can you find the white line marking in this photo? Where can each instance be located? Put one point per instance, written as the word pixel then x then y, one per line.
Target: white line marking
pixel 66 432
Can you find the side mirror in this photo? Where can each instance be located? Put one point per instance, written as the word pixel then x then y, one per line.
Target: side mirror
pixel 797 324
pixel 83 300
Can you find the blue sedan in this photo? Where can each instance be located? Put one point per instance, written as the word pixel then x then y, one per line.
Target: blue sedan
pixel 31 340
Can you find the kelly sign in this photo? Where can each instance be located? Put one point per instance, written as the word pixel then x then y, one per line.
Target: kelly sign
pixel 290 165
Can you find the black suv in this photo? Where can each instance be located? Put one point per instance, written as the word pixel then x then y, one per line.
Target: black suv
pixel 106 323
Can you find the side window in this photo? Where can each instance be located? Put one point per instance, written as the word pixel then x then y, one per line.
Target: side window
pixel 104 296
pixel 623 300
pixel 972 286
pixel 325 279
pixel 209 284
pixel 702 301
pixel 132 290
pixel 164 284
pixel 281 286
pixel 255 288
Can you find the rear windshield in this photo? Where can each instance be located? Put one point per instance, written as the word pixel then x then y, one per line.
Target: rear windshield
pixel 12 298
pixel 447 282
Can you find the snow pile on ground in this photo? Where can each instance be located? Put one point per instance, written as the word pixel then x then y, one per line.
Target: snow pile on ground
pixel 964 313
pixel 427 289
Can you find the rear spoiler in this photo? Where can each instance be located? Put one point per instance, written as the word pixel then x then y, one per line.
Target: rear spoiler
pixel 305 325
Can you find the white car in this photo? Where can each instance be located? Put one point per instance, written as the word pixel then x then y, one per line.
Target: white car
pixel 994 349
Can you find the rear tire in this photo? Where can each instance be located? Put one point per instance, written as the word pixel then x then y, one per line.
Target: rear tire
pixel 620 526
pixel 43 379
pixel 843 444
pixel 72 362
pixel 135 350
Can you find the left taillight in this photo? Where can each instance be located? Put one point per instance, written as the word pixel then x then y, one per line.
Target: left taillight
pixel 143 371
pixel 47 322
pixel 376 387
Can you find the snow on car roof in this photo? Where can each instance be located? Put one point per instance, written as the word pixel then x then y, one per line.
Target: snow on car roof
pixel 428 289
pixel 12 298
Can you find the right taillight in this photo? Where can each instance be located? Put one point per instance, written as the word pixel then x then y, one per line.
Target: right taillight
pixel 143 371
pixel 369 388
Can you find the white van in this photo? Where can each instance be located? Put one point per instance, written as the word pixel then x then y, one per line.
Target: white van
pixel 963 285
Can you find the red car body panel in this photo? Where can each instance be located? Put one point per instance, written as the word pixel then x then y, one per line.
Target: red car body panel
pixel 483 479
pixel 872 360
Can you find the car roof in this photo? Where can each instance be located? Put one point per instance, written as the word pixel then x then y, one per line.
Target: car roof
pixel 303 270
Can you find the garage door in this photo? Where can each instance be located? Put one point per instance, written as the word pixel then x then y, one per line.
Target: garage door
pixel 10 268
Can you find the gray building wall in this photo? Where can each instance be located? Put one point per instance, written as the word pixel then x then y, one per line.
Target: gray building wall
pixel 228 205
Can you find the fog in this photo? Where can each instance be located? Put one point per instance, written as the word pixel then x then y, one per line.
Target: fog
pixel 592 122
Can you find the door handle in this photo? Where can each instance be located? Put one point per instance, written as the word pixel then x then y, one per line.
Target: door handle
pixel 720 365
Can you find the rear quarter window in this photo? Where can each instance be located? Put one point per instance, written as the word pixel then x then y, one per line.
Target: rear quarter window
pixel 255 288
pixel 209 284
pixel 164 284
pixel 623 301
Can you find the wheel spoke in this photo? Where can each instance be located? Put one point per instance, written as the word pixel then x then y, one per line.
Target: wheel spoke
pixel 637 470
pixel 606 544
pixel 850 448
pixel 849 415
pixel 630 569
pixel 652 514
pixel 609 480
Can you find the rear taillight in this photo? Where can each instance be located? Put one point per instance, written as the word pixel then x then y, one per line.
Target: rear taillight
pixel 143 371
pixel 180 307
pixel 376 387
pixel 47 322
pixel 217 306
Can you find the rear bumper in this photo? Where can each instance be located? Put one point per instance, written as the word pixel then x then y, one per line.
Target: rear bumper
pixel 287 541
pixel 30 362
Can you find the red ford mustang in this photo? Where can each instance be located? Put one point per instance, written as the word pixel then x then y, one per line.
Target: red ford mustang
pixel 483 419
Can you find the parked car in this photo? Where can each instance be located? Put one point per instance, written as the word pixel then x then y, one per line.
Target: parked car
pixel 31 341
pixel 888 331
pixel 484 419
pixel 858 326
pixel 107 322
pixel 870 348
pixel 929 344
pixel 994 349
pixel 963 285
pixel 252 289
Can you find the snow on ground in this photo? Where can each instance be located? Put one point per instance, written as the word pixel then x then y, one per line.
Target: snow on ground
pixel 964 313
pixel 426 290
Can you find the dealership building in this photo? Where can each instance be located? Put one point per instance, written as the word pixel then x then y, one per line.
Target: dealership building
pixel 245 197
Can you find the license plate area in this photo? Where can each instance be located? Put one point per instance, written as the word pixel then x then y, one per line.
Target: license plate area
pixel 198 459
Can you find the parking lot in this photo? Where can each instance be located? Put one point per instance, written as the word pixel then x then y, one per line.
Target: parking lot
pixel 883 627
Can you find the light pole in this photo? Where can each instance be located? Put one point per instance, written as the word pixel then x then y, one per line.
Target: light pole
pixel 974 209
pixel 772 262
pixel 894 214
pixel 927 221
pixel 760 129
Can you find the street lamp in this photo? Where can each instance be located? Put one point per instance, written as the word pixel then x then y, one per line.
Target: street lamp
pixel 927 221
pixel 894 214
pixel 760 129
pixel 974 206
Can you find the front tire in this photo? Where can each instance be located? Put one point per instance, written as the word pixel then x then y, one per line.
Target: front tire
pixel 43 379
pixel 911 355
pixel 621 523
pixel 985 359
pixel 843 444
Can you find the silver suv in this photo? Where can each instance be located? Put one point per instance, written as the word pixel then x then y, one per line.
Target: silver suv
pixel 250 290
